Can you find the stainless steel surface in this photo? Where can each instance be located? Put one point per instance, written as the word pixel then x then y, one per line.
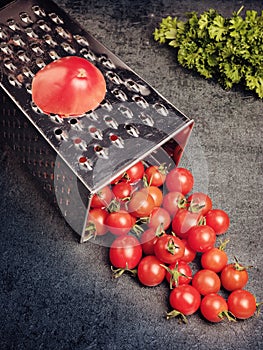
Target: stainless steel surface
pixel 133 121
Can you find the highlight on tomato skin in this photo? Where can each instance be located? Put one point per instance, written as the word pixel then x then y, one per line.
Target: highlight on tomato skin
pixel 69 86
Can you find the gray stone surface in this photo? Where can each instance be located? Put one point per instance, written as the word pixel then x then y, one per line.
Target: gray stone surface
pixel 58 294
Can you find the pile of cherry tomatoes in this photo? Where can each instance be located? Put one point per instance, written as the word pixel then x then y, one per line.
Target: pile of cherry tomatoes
pixel 159 227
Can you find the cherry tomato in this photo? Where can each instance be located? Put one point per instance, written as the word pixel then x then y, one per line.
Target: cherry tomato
pixel 148 239
pixel 234 276
pixel 102 198
pixel 214 259
pixel 214 307
pixel 159 218
pixel 150 271
pixel 242 304
pixel 68 86
pixel 185 299
pixel 96 222
pixel 206 282
pixel 189 253
pixel 178 273
pixel 125 252
pixel 156 194
pixel 179 180
pixel 183 221
pixel 119 222
pixel 218 220
pixel 173 201
pixel 201 238
pixel 134 173
pixel 200 202
pixel 141 204
pixel 155 175
pixel 169 249
pixel 122 190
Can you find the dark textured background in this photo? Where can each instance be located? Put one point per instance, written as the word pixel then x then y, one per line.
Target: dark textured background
pixel 59 294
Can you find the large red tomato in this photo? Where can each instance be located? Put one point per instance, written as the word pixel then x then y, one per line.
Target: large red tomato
pixel 69 86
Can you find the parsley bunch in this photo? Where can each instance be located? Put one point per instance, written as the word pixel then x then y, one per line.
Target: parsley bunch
pixel 229 50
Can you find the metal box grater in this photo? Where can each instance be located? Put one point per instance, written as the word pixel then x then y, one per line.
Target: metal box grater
pixel 73 158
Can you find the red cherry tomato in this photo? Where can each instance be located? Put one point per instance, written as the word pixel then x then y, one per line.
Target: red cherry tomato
pixel 119 222
pixel 234 276
pixel 179 180
pixel 150 271
pixel 189 253
pixel 218 220
pixel 141 204
pixel 169 249
pixel 96 222
pixel 125 252
pixel 206 282
pixel 201 238
pixel 242 304
pixel 214 307
pixel 173 201
pixel 200 202
pixel 148 239
pixel 155 175
pixel 122 190
pixel 68 86
pixel 159 218
pixel 155 193
pixel 183 221
pixel 214 259
pixel 178 273
pixel 102 198
pixel 134 173
pixel 185 299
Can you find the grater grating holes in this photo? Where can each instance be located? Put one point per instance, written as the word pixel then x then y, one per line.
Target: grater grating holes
pixel 116 140
pixel 106 62
pixel 22 56
pixel 55 118
pixel 161 109
pixel 119 94
pixel 127 112
pixel 40 62
pixel 13 25
pixel 54 55
pixel 146 119
pixel 113 77
pixel 63 33
pixel 14 81
pixel 36 49
pixel 68 48
pixel 31 33
pixel 61 134
pixel 43 25
pixel 49 40
pixel 132 86
pixel 81 40
pixel 55 18
pixel 110 121
pixel 6 49
pixel 25 17
pixel 92 115
pixel 85 163
pixel 88 54
pixel 132 130
pixel 9 64
pixel 140 101
pixel 38 11
pixel 95 133
pixel 101 152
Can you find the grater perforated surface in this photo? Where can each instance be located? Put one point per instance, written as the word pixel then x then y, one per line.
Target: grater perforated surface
pixel 129 124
